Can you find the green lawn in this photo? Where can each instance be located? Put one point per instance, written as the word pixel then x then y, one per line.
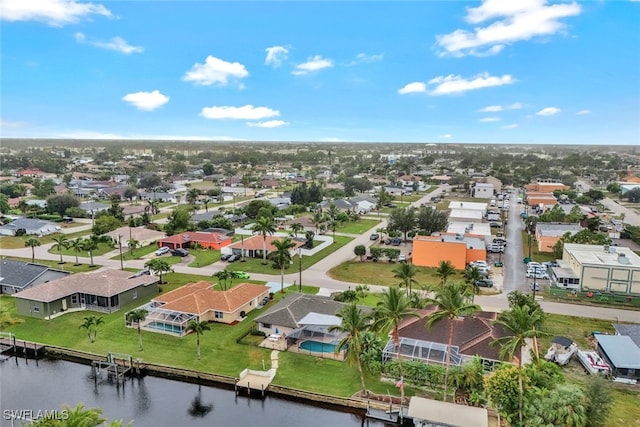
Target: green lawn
pixel 254 265
pixel 381 273
pixel 357 227
pixel 535 254
pixel 102 249
pixel 204 257
pixel 10 242
pixel 137 253
pixel 67 266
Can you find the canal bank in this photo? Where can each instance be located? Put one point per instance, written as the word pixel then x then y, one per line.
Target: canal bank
pixel 139 368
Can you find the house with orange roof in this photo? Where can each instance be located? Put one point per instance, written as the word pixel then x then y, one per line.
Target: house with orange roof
pixel 458 249
pixel 185 240
pixel 253 246
pixel 201 301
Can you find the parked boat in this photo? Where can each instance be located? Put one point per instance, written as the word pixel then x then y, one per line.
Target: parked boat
pixel 561 350
pixel 593 363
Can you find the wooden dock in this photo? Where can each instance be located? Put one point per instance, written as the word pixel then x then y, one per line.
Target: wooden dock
pixel 256 381
pixel 12 345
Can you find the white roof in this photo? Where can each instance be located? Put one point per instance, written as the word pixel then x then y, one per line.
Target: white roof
pixel 460 227
pixel 466 213
pixel 468 205
pixel 444 413
pixel 596 255
pixel 320 319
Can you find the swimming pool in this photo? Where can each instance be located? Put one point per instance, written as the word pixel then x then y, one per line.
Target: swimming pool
pixel 318 347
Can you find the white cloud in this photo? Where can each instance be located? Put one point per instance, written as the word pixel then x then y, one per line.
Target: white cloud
pixel 246 112
pixel 415 87
pixel 11 124
pixel 331 139
pixel 446 136
pixel 511 126
pixel 498 108
pixel 490 119
pixel 456 84
pixel 513 21
pixel 146 101
pixel 275 55
pixel 55 13
pixel 364 58
pixel 268 124
pixel 117 43
pixel 548 111
pixel 585 112
pixel 215 70
pixel 314 63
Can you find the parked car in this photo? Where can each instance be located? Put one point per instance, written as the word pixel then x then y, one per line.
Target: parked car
pixel 538 288
pixel 485 283
pixel 179 252
pixel 233 258
pixel 387 241
pixel 163 250
pixel 374 236
pixel 479 264
pixel 500 241
pixel 495 248
pixel 402 258
pixel 495 224
pixel 241 275
pixel 395 241
pixel 537 275
pixel 224 257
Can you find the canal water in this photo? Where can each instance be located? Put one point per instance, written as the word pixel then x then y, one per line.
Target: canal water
pixel 152 401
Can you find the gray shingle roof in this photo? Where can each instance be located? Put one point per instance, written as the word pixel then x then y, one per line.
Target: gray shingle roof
pixel 20 274
pixel 621 350
pixel 289 311
pixel 557 230
pixel 630 330
pixel 28 224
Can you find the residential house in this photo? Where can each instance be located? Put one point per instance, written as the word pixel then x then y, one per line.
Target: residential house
pixel 253 246
pixel 206 240
pixel 548 234
pixel 29 226
pixel 144 236
pixel 482 190
pixel 161 196
pixel 472 336
pixel 102 291
pixel 459 250
pixel 546 186
pixel 200 301
pixel 16 276
pixel 93 208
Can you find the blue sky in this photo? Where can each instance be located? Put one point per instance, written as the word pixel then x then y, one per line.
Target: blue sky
pixel 497 71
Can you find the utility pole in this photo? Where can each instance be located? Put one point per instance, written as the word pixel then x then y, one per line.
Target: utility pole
pixel 300 268
pixel 120 247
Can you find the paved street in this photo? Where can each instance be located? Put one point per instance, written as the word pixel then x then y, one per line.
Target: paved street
pixel 316 275
pixel 630 216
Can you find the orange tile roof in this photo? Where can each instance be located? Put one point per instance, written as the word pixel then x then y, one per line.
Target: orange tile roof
pixel 254 243
pixel 198 298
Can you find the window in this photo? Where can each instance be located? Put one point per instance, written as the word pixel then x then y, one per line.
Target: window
pixel 266 325
pixel 135 294
pixel 219 315
pixel 36 309
pixel 74 299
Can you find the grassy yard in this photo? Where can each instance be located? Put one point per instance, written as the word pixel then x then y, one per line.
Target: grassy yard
pixel 67 266
pixel 10 242
pixel 254 265
pixel 381 273
pixel 204 257
pixel 357 227
pixel 137 253
pixel 535 254
pixel 103 248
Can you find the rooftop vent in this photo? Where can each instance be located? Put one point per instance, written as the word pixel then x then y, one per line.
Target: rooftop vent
pixel 622 259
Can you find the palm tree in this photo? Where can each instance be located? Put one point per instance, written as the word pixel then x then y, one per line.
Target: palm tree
pixel 296 227
pixel 32 243
pixel 133 245
pixel 206 202
pixel 391 309
pixel 153 206
pixel 282 256
pixel 318 220
pixel 264 225
pixel 452 302
pixel 520 323
pixel 406 272
pixel 137 317
pixel 354 324
pixel 90 245
pixel 471 277
pixel 198 328
pixel 192 196
pixel 77 245
pixel 222 276
pixel 444 270
pixel 159 267
pixel 91 323
pixel 61 242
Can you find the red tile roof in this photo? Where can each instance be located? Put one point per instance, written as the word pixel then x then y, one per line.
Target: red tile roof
pixel 254 243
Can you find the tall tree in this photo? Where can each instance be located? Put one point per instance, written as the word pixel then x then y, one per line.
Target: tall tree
pixel 431 220
pixel 406 273
pixel 198 328
pixel 361 251
pixel 159 267
pixel 60 242
pixel 296 227
pixel 263 226
pixel 520 324
pixel 354 323
pixel 391 309
pixel 133 245
pixel 32 243
pixel 91 245
pixel 452 302
pixel 282 256
pixel 77 245
pixel 402 220
pixel 444 271
pixel 91 323
pixel 138 316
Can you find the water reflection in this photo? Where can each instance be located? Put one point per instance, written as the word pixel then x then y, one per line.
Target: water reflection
pixel 198 408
